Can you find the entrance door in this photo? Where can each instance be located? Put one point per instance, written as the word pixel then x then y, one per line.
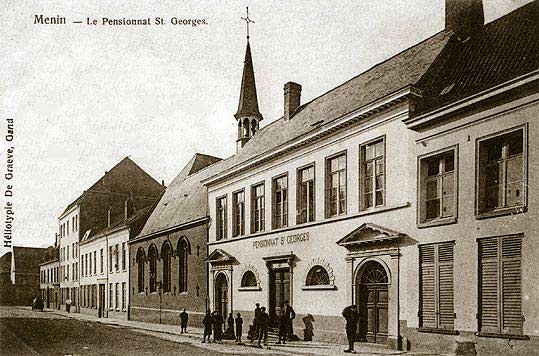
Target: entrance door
pixel 372 300
pixel 48 298
pixel 221 295
pixel 102 301
pixel 279 292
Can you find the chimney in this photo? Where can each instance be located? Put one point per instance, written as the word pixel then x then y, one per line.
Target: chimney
pixel 292 96
pixel 464 17
pixel 109 212
pixel 129 207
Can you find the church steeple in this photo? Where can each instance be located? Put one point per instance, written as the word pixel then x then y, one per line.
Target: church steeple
pixel 248 114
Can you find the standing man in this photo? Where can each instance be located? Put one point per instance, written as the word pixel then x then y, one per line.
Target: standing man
pixel 256 322
pixel 263 322
pixel 184 318
pixel 208 323
pixel 351 315
pixel 289 315
pixel 239 328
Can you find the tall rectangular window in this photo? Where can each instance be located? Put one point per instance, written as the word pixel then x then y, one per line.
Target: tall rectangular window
pixel 67 251
pixel 336 185
pixel 257 208
pixel 67 228
pixel 305 195
pixel 95 262
pixel 111 295
pixel 238 213
pixel 116 304
pixel 101 261
pixel 501 172
pixel 90 263
pixel 110 258
pixel 436 306
pixel 438 186
pixel 280 201
pixel 372 174
pixel 123 256
pixel 123 295
pixel 500 294
pixel 117 256
pixel 220 207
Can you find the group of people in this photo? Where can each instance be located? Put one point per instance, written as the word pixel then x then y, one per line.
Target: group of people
pixel 213 323
pixel 261 324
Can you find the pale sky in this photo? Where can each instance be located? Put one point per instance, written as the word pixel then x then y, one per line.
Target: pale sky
pixel 84 97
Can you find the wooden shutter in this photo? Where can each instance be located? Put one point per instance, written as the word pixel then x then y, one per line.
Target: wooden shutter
pixel 500 285
pixel 511 285
pixel 427 300
pixel 446 311
pixel 436 302
pixel 488 252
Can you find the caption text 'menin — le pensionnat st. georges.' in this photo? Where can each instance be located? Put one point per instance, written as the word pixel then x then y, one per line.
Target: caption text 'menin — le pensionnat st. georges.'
pixel 120 21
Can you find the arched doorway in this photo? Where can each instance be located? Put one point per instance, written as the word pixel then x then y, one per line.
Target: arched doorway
pixel 372 301
pixel 221 295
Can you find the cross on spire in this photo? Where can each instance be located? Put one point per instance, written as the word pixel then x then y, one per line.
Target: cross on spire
pixel 247 21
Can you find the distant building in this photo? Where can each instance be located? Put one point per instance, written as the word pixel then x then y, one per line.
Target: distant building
pixel 167 259
pixel 104 264
pixel 408 190
pixel 49 280
pixel 20 275
pixel 93 211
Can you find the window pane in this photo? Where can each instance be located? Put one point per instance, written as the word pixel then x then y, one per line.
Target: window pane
pixel 333 208
pixel 433 166
pixel 449 162
pixel 380 166
pixel 494 149
pixel 494 197
pixel 379 197
pixel 342 162
pixel 515 142
pixel 380 182
pixel 368 185
pixel 369 169
pixel 379 147
pixel 368 200
pixel 369 152
pixel 448 204
pixel 342 179
pixel 514 169
pixel 432 189
pixel 433 209
pixel 514 194
pixel 448 184
pixel 334 164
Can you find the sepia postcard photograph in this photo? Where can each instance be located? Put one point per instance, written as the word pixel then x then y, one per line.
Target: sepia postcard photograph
pixel 243 177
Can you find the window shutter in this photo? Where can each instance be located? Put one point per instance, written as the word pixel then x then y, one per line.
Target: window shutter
pixel 511 284
pixel 427 306
pixel 445 284
pixel 488 250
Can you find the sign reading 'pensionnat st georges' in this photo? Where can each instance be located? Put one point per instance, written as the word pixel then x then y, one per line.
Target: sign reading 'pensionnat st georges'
pixel 280 241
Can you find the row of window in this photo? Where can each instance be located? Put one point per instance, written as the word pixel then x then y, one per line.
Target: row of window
pixel 500 303
pixel 89 260
pixel 64 228
pixel 182 253
pixel 64 251
pixel 50 275
pixel 65 272
pixel 117 297
pixel 500 185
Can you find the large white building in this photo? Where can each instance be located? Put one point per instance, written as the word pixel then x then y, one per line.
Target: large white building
pixel 407 190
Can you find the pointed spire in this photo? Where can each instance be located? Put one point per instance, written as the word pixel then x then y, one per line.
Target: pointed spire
pixel 248 103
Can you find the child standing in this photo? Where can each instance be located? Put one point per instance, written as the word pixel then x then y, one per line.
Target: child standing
pixel 239 327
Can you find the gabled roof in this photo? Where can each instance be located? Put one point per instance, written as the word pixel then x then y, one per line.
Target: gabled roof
pixel 502 50
pixel 185 199
pixel 367 234
pixel 116 180
pixel 27 259
pixel 220 256
pixel 390 76
pixel 248 103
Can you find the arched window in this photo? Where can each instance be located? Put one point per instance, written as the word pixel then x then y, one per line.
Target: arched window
pixel 183 253
pixel 248 279
pixel 166 255
pixel 140 268
pixel 317 276
pixel 152 256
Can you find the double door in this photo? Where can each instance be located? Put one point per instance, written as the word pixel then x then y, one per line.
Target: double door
pixel 373 301
pixel 279 292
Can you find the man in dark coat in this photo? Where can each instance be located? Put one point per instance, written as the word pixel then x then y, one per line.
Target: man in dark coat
pixel 256 322
pixel 217 327
pixel 239 328
pixel 351 315
pixel 184 318
pixel 289 315
pixel 283 326
pixel 263 323
pixel 208 323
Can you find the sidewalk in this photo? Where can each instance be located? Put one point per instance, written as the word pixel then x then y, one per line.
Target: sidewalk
pixel 195 335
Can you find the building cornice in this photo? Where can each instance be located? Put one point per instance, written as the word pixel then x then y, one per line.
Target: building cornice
pixel 169 230
pixel 415 122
